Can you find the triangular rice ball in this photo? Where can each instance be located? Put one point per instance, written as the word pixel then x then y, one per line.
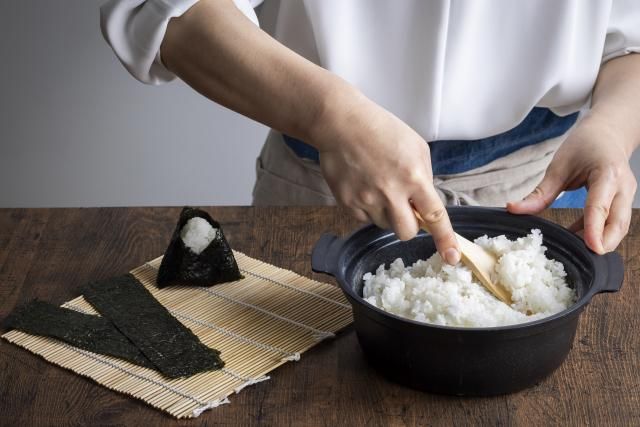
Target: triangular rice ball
pixel 205 258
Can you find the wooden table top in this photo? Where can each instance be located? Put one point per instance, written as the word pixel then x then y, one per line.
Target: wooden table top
pixel 50 253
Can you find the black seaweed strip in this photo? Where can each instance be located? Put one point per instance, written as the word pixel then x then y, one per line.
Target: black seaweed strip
pixel 180 265
pixel 92 333
pixel 172 347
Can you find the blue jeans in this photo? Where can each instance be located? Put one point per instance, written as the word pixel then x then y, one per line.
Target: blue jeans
pixel 457 156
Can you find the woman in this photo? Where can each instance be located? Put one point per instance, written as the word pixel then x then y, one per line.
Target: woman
pixel 356 88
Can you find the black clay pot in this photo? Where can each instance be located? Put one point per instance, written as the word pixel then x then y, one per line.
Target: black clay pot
pixel 465 361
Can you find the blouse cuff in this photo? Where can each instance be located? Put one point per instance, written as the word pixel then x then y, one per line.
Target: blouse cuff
pixel 620 52
pixel 135 29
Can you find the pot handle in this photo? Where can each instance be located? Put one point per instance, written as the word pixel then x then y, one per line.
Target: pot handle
pixel 612 278
pixel 324 258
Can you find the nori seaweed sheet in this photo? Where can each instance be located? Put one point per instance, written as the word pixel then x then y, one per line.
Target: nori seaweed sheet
pixel 214 265
pixel 167 343
pixel 85 331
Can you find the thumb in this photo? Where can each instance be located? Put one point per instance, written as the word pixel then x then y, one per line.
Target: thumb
pixel 541 197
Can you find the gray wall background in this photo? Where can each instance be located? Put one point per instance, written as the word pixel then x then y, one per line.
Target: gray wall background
pixel 77 130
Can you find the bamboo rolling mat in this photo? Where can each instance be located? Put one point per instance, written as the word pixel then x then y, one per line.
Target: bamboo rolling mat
pixel 258 323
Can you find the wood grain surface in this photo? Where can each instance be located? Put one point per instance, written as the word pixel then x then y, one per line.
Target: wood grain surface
pixel 50 253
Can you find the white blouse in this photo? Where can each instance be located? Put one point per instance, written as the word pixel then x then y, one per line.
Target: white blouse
pixel 451 69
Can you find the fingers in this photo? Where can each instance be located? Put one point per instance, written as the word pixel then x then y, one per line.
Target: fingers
pixel 395 214
pixel 434 215
pixel 578 225
pixel 596 211
pixel 359 214
pixel 607 212
pixel 369 210
pixel 617 224
pixel 402 219
pixel 392 213
pixel 542 196
pixel 378 216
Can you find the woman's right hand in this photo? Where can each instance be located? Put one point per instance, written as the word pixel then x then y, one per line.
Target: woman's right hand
pixel 379 168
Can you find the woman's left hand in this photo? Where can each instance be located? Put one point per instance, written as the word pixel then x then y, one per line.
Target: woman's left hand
pixel 594 155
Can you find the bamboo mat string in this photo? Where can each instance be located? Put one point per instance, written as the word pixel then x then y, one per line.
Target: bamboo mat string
pixel 243 378
pixel 293 288
pixel 288 356
pixel 119 367
pixel 317 333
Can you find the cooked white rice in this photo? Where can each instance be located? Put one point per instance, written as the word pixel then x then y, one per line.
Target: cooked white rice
pixel 434 292
pixel 197 233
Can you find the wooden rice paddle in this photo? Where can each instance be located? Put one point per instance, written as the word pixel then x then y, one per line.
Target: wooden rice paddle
pixel 479 261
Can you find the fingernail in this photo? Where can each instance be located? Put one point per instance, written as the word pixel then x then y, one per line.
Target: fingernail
pixel 452 256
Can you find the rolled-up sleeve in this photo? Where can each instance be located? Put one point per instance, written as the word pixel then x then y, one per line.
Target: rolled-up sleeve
pixel 623 32
pixel 135 28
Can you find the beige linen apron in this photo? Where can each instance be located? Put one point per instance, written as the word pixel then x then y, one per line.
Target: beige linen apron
pixel 282 178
